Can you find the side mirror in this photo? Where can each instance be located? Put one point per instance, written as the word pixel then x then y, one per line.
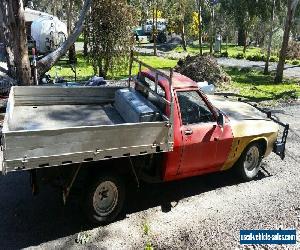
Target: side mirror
pixel 221 120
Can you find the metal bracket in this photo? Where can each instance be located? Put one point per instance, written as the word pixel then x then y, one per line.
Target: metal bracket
pixel 67 188
pixel 134 172
pixel 24 161
pixel 279 146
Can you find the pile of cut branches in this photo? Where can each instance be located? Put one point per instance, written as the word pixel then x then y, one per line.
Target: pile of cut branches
pixel 202 68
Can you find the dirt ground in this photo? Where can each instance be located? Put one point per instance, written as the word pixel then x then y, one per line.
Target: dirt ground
pixel 204 212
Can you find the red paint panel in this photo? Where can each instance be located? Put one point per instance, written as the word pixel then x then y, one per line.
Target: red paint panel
pixel 224 145
pixel 172 159
pixel 200 147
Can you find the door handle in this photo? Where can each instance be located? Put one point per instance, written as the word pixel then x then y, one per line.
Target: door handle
pixel 188 132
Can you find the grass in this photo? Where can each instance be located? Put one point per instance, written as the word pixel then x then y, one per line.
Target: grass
pixel 249 84
pixel 80 39
pixel 253 85
pixel 62 69
pixel 232 50
pixel 85 69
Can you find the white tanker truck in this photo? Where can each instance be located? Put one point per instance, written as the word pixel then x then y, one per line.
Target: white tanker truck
pixel 47 31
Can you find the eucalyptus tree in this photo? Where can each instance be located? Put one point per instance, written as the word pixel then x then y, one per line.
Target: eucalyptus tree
pixel 291 10
pixel 12 27
pixel 111 39
pixel 179 14
pixel 271 32
pixel 13 33
pixel 244 13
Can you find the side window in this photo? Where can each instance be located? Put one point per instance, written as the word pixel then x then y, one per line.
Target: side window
pixel 193 109
pixel 151 85
pixel 151 97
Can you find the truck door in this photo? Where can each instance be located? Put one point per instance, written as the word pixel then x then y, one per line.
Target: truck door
pixel 201 134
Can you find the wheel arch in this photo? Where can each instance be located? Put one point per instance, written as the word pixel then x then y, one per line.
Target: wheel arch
pixel 263 143
pixel 240 145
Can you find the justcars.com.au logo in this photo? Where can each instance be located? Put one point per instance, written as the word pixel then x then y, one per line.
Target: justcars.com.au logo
pixel 268 236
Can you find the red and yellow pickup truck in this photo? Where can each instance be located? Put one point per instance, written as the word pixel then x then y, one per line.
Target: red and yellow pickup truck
pixel 159 128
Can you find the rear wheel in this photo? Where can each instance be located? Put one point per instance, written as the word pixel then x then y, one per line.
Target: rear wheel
pixel 105 199
pixel 248 165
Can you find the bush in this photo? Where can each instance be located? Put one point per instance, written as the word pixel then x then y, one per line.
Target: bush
pixel 239 56
pixel 293 50
pixel 256 57
pixel 296 62
pixel 224 54
pixel 273 59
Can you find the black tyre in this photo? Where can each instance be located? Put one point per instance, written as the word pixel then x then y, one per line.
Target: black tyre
pixel 105 199
pixel 248 165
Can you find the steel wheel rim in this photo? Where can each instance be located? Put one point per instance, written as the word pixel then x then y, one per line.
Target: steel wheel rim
pixel 251 159
pixel 105 198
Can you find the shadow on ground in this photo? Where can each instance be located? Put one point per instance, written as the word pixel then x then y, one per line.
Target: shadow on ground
pixel 29 221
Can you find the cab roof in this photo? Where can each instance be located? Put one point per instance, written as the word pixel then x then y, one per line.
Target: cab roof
pixel 178 81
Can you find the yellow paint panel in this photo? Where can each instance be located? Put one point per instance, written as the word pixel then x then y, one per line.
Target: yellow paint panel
pixel 247 131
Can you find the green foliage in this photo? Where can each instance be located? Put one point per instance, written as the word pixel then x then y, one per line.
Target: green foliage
pixel 273 59
pixel 296 62
pixel 146 229
pixel 148 246
pixel 110 38
pixel 256 57
pixel 80 39
pixel 240 56
pixel 224 54
pixel 178 13
pixel 232 50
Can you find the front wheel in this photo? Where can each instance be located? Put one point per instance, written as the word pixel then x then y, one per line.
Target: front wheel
pixel 248 165
pixel 105 199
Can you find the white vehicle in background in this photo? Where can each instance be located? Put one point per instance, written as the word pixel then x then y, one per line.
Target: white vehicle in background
pixel 49 33
pixel 45 32
pixel 161 25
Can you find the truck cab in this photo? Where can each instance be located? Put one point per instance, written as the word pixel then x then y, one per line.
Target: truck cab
pixel 202 134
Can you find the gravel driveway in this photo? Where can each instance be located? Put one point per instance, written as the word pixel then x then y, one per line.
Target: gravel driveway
pixel 202 212
pixel 290 71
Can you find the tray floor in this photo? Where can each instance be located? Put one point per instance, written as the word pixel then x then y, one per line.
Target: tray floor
pixel 62 116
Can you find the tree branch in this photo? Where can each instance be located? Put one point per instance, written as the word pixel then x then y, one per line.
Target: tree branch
pixel 48 61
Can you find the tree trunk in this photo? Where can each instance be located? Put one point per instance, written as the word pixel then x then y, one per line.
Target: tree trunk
pixel 200 28
pixel 7 39
pixel 266 69
pixel 227 44
pixel 241 36
pixel 292 4
pixel 69 16
pixel 212 33
pixel 48 61
pixel 72 51
pixel 14 34
pixel 154 30
pixel 85 41
pixel 245 43
pixel 182 32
